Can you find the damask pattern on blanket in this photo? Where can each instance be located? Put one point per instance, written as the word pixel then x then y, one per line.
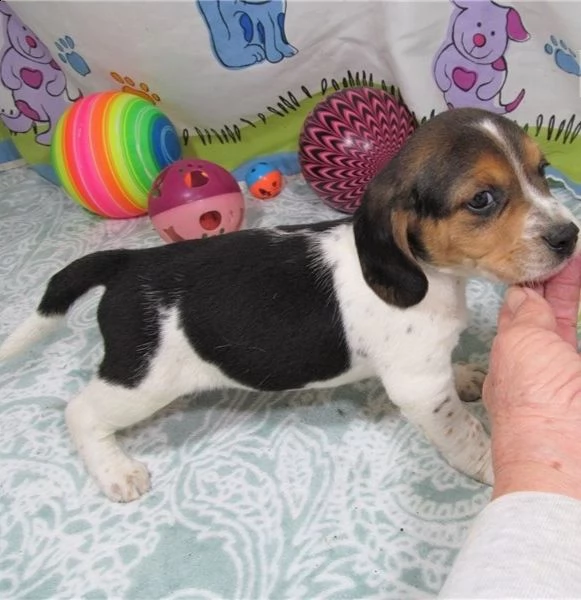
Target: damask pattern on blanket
pixel 326 493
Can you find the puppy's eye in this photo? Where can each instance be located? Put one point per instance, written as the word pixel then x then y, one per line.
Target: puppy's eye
pixel 482 203
pixel 542 168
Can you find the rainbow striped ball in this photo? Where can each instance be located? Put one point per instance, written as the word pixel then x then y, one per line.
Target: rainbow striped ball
pixel 107 150
pixel 347 139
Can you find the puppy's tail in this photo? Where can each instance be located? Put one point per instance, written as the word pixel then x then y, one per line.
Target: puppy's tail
pixel 63 290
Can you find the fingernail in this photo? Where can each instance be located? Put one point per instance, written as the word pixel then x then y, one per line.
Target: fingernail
pixel 515 297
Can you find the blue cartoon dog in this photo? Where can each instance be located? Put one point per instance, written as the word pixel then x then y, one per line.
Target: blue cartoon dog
pixel 246 32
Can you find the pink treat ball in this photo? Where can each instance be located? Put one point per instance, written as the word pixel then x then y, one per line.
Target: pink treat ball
pixel 193 199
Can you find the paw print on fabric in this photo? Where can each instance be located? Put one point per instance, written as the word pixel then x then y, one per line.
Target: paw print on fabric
pixel 564 57
pixel 68 54
pixel 129 86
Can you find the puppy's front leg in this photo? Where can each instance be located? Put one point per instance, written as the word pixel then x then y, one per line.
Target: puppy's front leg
pixel 430 401
pixel 469 381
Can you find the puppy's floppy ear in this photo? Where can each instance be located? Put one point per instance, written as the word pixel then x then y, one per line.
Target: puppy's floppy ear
pixel 381 238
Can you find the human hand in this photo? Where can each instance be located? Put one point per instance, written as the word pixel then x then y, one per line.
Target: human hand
pixel 533 388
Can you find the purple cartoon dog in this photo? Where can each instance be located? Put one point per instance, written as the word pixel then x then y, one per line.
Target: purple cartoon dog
pixel 470 67
pixel 37 83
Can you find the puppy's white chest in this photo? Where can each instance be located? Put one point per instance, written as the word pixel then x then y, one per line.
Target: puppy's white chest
pixel 381 334
pixel 398 330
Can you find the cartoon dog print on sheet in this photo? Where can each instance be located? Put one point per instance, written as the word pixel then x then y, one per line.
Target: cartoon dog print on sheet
pixel 470 68
pixel 247 32
pixel 35 80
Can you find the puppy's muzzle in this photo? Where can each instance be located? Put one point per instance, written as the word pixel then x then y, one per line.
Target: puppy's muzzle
pixel 562 239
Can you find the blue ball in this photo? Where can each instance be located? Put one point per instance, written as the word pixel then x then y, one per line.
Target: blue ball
pixel 258 171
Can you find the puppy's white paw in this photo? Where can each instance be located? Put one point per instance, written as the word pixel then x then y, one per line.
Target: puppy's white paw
pixel 467 448
pixel 478 454
pixel 469 380
pixel 124 480
pixel 486 474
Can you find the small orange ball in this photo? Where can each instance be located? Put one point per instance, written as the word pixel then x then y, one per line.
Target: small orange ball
pixel 264 181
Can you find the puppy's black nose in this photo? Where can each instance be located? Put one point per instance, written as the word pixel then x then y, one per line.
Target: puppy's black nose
pixel 562 239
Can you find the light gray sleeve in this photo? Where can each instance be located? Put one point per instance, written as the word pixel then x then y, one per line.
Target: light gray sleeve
pixel 522 545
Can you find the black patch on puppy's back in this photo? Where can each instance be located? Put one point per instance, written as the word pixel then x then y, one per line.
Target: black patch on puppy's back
pixel 257 304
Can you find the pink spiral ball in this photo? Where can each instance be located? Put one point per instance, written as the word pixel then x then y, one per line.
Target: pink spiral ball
pixel 347 139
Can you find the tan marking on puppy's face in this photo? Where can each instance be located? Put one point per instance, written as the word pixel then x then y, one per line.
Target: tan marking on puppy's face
pixel 532 158
pixel 473 243
pixel 498 253
pixel 466 194
pixel 497 218
pixel 400 222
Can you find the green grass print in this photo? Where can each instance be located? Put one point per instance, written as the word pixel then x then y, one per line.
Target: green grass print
pixel 276 129
pixel 560 141
pixel 30 150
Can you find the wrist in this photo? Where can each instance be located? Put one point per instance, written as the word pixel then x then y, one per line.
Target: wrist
pixel 538 454
pixel 531 476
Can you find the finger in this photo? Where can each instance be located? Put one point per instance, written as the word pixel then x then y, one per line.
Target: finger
pixel 505 314
pixel 538 287
pixel 523 306
pixel 562 292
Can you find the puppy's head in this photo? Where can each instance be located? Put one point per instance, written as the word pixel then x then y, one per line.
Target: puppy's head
pixel 466 195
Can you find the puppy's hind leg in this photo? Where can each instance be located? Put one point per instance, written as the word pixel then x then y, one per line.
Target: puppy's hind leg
pixel 94 416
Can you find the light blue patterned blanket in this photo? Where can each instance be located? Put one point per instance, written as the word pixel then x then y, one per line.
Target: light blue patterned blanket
pixel 321 494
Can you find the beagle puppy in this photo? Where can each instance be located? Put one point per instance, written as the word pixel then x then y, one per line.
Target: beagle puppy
pixel 379 294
